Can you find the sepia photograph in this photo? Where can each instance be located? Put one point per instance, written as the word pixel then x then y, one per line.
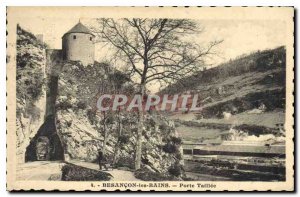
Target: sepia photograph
pixel 150 98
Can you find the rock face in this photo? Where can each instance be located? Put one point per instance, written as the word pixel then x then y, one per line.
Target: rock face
pixel 84 131
pixel 81 140
pixel 31 100
pixel 36 122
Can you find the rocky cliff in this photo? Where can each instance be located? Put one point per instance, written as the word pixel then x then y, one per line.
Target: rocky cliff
pixel 84 131
pixel 81 129
pixel 31 100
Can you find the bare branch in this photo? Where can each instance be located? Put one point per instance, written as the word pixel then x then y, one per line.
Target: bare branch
pixel 156 49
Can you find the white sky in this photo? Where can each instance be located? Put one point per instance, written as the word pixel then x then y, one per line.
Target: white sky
pixel 240 36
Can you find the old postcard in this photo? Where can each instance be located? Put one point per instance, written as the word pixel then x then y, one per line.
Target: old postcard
pixel 150 98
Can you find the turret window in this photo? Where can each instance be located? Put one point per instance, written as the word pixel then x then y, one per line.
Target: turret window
pixel 74 37
pixel 91 38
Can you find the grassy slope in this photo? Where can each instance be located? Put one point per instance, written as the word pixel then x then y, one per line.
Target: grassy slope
pixel 247 82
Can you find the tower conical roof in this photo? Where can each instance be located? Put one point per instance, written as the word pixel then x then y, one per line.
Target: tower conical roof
pixel 79 28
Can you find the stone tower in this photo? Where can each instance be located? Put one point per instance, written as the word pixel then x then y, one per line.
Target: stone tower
pixel 78 44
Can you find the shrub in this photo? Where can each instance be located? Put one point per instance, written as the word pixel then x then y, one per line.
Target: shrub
pixel 81 105
pixel 64 105
pixel 176 140
pixel 176 170
pixel 29 74
pixel 124 139
pixel 91 114
pixel 169 148
pixel 172 145
pixel 145 161
pixel 72 172
pixel 109 119
pixel 178 155
pixel 163 127
pixel 125 162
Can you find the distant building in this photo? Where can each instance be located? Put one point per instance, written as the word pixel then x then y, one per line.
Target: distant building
pixel 78 45
pixel 238 149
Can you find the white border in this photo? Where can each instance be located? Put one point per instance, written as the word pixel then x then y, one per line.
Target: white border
pixel 105 3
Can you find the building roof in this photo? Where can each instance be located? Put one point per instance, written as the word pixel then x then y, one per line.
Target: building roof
pixel 280 149
pixel 79 28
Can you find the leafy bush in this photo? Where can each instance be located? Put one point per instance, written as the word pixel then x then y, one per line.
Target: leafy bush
pixel 178 155
pixel 118 79
pixel 81 105
pixel 30 83
pixel 176 170
pixel 176 140
pixel 145 161
pixel 110 119
pixel 124 139
pixel 169 148
pixel 172 145
pixel 91 114
pixel 163 127
pixel 30 76
pixel 72 172
pixel 125 162
pixel 64 105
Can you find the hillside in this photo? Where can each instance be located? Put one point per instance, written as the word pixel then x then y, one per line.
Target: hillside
pixel 247 93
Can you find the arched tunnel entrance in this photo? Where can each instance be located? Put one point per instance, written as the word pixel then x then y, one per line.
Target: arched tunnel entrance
pixel 46 145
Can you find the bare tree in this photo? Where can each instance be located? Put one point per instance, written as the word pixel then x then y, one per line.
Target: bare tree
pixel 155 50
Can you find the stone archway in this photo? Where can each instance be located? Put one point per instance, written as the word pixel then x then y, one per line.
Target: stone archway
pixel 46 144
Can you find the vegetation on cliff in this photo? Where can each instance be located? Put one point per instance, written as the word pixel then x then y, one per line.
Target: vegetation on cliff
pixel 30 100
pixel 30 71
pixel 85 130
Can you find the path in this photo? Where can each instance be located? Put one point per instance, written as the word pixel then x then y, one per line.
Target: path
pixel 51 170
pixel 39 170
pixel 118 175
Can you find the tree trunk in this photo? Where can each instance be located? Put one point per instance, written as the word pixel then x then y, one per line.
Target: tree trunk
pixel 117 146
pixel 138 150
pixel 104 136
pixel 116 153
pixel 104 142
